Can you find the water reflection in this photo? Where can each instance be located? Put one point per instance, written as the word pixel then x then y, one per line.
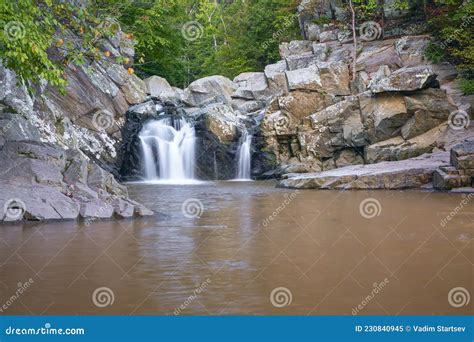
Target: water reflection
pixel 317 245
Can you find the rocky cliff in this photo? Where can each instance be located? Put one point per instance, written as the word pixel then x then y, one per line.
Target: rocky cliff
pixel 55 148
pixel 310 113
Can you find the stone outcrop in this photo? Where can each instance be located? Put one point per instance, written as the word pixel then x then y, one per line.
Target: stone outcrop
pixel 393 110
pixel 405 174
pixel 57 150
pixel 460 173
pixel 41 181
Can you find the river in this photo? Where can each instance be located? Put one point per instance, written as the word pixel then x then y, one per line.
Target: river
pixel 229 248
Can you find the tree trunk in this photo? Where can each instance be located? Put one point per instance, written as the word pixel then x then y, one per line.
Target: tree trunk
pixel 354 38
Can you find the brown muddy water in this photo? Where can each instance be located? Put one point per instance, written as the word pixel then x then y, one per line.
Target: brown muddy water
pixel 249 248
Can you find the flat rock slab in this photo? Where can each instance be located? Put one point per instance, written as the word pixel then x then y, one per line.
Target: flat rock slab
pixel 410 173
pixel 35 202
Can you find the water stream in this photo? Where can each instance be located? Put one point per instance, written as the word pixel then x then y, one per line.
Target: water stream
pixel 244 157
pixel 168 148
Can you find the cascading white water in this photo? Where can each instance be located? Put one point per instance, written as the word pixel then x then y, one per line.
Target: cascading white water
pixel 170 144
pixel 243 157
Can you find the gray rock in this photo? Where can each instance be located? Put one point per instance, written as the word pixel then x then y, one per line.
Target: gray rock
pixel 212 89
pixel 159 87
pixel 328 36
pixel 443 180
pixel 429 108
pixel 98 178
pixel 221 121
pixel 302 61
pixel 383 115
pixel 412 173
pixel 122 208
pixel 276 78
pixel 251 85
pixel 36 150
pixel 295 47
pixel 13 127
pixel 371 59
pixel 405 79
pixel 321 51
pixel 304 79
pixel 398 149
pixel 96 209
pixel 35 202
pixel 462 155
pixel 335 78
pixel 313 31
pixel 245 107
pixel 76 168
pixel 134 90
pixel 411 49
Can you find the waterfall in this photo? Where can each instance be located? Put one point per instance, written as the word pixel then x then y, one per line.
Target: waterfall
pixel 243 157
pixel 170 144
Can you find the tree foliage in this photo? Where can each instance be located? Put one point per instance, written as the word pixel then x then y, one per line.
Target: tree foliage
pixel 39 37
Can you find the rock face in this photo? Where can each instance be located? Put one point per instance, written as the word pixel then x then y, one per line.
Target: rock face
pixel 89 114
pixel 461 171
pixel 41 181
pixel 393 110
pixel 212 89
pixel 55 148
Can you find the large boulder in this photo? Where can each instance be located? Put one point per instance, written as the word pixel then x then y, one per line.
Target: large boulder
pixel 369 60
pixel 462 157
pixel 428 109
pixel 22 201
pixel 15 127
pixel 276 78
pixel 304 79
pixel 331 78
pixel 302 61
pixel 383 115
pixel 207 90
pixel 159 87
pixel 330 126
pixel 411 49
pixel 405 79
pixel 251 86
pixel 398 149
pixel 295 47
pixel 301 103
pixel 221 121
